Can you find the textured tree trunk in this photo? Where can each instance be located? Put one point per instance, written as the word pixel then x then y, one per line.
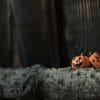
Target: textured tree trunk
pixel 29 33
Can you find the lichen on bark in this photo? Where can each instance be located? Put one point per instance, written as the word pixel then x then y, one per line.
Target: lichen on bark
pixel 50 83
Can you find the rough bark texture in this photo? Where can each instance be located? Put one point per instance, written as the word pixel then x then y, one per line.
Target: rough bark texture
pixel 50 83
pixel 15 82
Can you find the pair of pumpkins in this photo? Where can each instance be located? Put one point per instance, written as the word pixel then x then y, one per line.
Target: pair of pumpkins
pixel 85 61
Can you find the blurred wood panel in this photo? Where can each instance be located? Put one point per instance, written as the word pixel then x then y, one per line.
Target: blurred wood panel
pixel 35 39
pixel 4 40
pixel 28 31
pixel 50 31
pixel 81 26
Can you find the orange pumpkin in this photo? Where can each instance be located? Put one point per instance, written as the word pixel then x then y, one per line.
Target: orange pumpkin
pixel 80 61
pixel 95 60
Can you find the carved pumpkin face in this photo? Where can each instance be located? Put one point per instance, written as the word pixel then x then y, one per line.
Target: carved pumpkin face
pixel 95 60
pixel 80 61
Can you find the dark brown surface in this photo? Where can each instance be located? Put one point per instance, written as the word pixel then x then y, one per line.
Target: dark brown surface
pixel 4 41
pixel 81 26
pixel 28 31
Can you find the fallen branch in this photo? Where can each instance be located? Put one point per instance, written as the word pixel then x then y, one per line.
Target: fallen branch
pixel 50 83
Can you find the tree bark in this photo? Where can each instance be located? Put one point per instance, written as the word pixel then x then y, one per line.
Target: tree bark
pixel 50 83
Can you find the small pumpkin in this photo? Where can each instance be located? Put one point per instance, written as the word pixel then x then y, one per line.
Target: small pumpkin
pixel 80 61
pixel 95 60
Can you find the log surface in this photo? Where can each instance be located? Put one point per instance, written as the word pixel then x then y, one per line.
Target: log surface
pixel 15 82
pixel 50 83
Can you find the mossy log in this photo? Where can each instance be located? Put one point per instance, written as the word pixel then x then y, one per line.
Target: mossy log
pixel 16 82
pixel 50 83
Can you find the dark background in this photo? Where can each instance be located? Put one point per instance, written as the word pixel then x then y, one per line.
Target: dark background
pixel 47 32
pixel 28 33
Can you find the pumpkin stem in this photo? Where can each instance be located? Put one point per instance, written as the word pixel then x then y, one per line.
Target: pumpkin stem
pixel 90 53
pixel 82 54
